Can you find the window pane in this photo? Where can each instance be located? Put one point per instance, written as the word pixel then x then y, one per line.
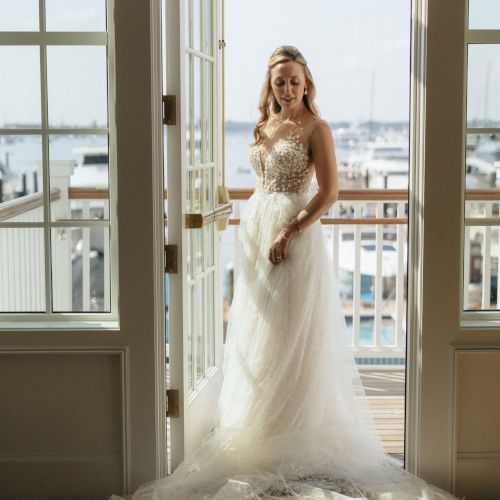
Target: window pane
pixel 187 24
pixel 77 86
pixel 208 191
pixel 80 269
pixel 80 163
pixel 484 14
pixel 21 15
pixel 209 245
pixel 483 89
pixel 207 27
pixel 196 193
pixel 75 15
pixel 189 109
pixel 22 271
pixel 210 318
pixel 192 328
pixel 20 87
pixel 199 332
pixel 196 24
pixel 482 160
pixel 481 252
pixel 208 113
pixel 21 179
pixel 197 255
pixel 197 110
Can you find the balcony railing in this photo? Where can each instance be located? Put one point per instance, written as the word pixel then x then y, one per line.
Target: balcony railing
pixel 22 250
pixel 370 224
pixel 481 249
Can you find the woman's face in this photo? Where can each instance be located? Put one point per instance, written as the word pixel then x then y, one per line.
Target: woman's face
pixel 288 83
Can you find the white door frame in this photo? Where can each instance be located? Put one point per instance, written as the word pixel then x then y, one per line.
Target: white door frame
pixel 435 237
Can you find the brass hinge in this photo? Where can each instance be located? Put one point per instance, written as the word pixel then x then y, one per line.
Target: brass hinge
pixel 173 403
pixel 170 258
pixel 222 44
pixel 169 104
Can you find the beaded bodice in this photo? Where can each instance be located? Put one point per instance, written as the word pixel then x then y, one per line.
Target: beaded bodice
pixel 284 167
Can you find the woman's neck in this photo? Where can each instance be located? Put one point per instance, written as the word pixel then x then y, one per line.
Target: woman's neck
pixel 292 114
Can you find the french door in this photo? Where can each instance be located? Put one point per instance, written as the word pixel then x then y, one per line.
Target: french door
pixel 196 211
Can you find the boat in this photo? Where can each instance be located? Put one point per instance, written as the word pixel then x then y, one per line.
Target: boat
pixel 91 169
pixel 383 164
pixel 482 164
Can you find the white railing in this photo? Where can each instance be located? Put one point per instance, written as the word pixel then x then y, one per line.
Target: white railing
pixel 91 242
pixel 379 241
pixel 22 273
pixel 481 249
pixel 22 249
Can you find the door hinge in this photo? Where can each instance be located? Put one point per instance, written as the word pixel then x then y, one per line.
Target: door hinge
pixel 169 112
pixel 222 44
pixel 173 403
pixel 170 258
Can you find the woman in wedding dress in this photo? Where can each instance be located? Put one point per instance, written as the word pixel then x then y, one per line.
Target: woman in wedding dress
pixel 293 420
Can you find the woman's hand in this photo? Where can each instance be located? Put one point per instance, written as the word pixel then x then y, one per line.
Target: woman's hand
pixel 279 249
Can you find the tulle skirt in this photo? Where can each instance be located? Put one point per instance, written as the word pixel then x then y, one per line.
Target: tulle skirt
pixel 292 414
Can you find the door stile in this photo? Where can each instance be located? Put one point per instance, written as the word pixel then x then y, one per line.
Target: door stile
pixel 176 204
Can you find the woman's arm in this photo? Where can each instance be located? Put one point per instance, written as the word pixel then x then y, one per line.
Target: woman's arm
pixel 323 150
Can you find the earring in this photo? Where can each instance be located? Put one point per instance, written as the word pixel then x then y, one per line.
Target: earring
pixel 305 91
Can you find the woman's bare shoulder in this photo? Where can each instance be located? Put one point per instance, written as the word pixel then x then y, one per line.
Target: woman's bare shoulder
pixel 318 123
pixel 317 128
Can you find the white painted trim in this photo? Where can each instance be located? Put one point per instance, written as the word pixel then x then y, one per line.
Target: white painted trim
pixel 76 223
pixel 112 166
pixel 200 54
pixel 462 166
pixel 482 36
pixel 175 183
pixel 52 38
pixel 158 235
pixel 59 322
pixel 483 130
pixel 415 233
pixel 480 320
pixel 54 131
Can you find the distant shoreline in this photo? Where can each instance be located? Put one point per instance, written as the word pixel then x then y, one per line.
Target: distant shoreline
pixel 236 126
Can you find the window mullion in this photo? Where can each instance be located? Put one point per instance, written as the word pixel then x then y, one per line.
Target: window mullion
pixel 45 164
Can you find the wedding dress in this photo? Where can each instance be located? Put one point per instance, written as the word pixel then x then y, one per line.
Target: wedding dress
pixel 293 420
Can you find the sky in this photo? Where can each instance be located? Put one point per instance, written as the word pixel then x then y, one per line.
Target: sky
pixel 76 76
pixel 345 42
pixel 355 48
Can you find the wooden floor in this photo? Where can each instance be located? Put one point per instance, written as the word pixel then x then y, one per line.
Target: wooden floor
pixel 385 389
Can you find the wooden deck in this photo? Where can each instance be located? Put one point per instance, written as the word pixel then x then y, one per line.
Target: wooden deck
pixel 385 389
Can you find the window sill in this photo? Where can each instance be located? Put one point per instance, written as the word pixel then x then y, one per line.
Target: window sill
pixel 29 326
pixel 480 324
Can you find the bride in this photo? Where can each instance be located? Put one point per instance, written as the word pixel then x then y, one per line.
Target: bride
pixel 292 417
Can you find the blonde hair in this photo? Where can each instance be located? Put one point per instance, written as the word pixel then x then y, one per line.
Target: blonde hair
pixel 267 101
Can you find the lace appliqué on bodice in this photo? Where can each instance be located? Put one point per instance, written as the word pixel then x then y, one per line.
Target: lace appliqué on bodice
pixel 284 168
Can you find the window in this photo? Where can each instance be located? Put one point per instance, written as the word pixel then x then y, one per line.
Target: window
pixel 482 162
pixel 57 162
